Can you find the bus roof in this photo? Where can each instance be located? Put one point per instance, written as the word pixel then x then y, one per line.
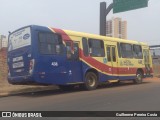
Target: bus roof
pixel 88 35
pixel 74 33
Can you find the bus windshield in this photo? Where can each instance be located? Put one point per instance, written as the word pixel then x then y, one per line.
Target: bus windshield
pixel 19 39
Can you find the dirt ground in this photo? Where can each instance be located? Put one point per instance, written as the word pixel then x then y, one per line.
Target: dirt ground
pixel 7 89
pixel 154 78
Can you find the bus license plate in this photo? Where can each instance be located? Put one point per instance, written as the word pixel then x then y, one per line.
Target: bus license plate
pixel 17 59
pixel 18 65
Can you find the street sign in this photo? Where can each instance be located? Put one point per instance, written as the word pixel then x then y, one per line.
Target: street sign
pixel 126 5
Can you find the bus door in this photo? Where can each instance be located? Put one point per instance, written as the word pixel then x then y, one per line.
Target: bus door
pixel 112 60
pixel 146 61
pixel 74 64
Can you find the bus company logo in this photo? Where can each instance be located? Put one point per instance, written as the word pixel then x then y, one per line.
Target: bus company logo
pixel 6 114
pixel 26 36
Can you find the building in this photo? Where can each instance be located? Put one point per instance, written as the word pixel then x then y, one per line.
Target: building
pixel 116 28
pixel 3 41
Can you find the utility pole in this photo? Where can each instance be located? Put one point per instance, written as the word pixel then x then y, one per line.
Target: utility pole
pixel 103 13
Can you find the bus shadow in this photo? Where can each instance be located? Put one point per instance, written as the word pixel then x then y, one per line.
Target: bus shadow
pixel 77 89
pixel 50 92
pixel 121 84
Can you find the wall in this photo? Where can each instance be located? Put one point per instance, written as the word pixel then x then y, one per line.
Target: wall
pixel 156 66
pixel 3 64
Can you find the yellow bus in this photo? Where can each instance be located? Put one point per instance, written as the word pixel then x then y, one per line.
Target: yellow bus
pixel 67 58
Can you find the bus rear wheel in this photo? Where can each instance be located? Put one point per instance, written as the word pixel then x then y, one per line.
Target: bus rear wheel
pixel 139 77
pixel 91 81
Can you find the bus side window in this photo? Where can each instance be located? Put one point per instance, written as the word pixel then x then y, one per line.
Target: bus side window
pixel 69 49
pixel 76 51
pixel 126 50
pixel 96 47
pixel 137 51
pixel 72 54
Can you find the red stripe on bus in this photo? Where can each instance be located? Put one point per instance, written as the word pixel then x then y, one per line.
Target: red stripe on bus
pixel 105 68
pixel 64 35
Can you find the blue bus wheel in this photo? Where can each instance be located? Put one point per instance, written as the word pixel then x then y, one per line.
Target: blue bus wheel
pixel 91 81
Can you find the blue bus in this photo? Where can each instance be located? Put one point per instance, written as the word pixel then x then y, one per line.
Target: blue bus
pixel 37 55
pixel 50 56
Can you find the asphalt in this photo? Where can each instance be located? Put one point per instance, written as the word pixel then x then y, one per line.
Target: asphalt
pixel 122 97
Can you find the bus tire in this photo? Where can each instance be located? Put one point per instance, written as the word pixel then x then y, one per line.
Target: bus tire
pixel 139 77
pixel 66 87
pixel 91 81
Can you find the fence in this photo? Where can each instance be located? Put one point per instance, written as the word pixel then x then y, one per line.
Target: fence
pixel 156 66
pixel 155 51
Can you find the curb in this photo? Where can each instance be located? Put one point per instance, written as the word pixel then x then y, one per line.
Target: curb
pixel 4 94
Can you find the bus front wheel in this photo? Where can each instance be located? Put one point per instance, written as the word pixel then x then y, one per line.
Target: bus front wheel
pixel 91 81
pixel 139 77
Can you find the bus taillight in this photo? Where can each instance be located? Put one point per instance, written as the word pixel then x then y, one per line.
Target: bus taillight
pixel 31 66
pixel 9 74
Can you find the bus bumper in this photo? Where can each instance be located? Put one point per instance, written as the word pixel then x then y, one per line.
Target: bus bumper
pixel 21 80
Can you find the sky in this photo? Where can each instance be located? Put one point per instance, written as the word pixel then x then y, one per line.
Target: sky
pixel 79 15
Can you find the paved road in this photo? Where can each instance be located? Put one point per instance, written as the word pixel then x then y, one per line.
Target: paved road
pixel 123 97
